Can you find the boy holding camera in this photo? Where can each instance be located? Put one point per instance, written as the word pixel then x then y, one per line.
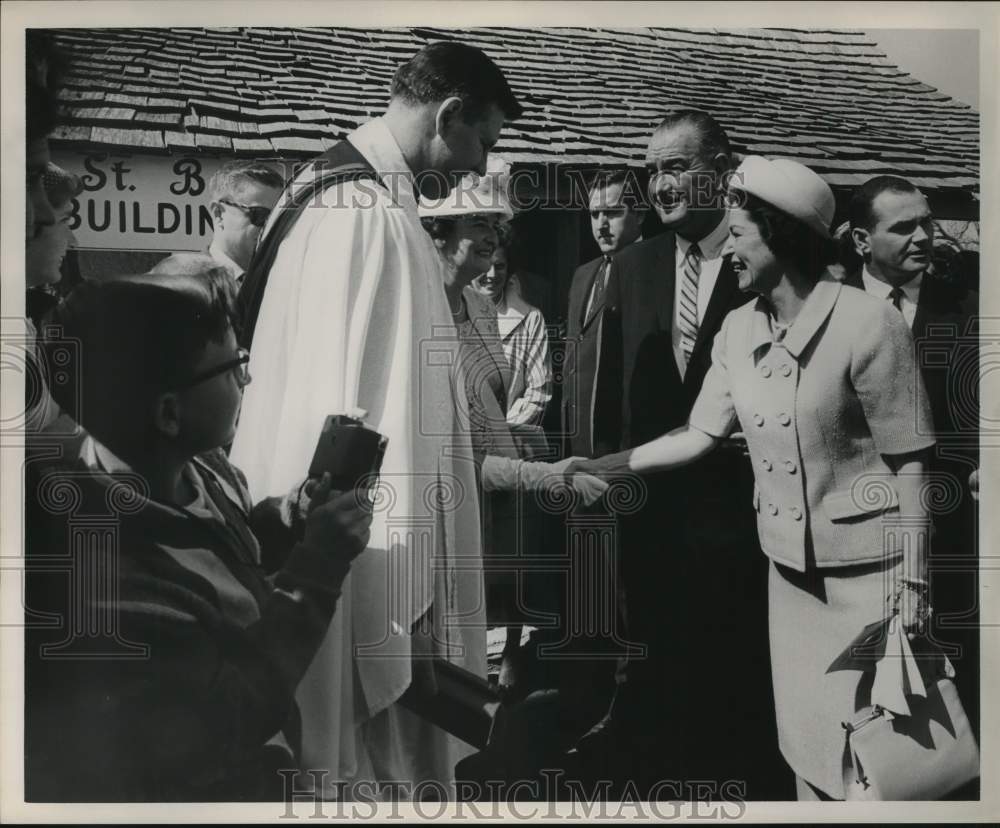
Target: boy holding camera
pixel 177 627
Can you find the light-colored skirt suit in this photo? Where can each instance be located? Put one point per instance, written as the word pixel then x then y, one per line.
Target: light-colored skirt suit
pixel 820 405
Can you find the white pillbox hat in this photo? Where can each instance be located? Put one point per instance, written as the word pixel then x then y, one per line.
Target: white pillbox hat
pixel 789 186
pixel 475 194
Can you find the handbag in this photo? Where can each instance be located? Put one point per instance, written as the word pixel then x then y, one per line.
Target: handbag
pixel 924 753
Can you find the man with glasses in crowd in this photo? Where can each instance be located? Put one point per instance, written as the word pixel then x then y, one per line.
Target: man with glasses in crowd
pixel 243 193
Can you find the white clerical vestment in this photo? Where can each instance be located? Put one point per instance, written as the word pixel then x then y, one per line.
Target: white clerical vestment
pixel 355 315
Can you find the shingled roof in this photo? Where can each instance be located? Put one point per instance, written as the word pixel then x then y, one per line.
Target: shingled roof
pixel 830 99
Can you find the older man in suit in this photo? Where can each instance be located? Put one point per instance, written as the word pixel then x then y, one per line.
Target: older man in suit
pixel 669 298
pixel 892 232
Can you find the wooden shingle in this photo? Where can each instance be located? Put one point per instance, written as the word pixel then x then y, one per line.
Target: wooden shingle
pixel 828 98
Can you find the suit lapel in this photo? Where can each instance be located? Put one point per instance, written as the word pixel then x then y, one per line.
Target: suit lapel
pixel 661 276
pixel 585 322
pixel 719 304
pixel 926 308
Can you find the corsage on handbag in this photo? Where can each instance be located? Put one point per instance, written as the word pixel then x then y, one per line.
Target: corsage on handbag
pixel 914 741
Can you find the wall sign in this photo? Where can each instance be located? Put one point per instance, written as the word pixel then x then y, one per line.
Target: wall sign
pixel 140 202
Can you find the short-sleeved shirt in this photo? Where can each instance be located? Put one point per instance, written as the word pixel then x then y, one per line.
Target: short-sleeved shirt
pixel 820 405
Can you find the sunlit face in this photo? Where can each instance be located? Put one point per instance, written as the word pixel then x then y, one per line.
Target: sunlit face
pixel 899 245
pixel 44 254
pixel 494 281
pixel 233 226
pixel 39 217
pixel 613 222
pixel 684 181
pixel 461 147
pixel 757 268
pixel 470 247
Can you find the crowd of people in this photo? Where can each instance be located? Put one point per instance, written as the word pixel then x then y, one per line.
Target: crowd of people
pixel 223 621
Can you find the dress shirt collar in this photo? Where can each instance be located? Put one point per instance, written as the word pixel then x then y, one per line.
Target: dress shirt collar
pixel 876 287
pixel 216 252
pixel 711 246
pixel 620 249
pixel 374 140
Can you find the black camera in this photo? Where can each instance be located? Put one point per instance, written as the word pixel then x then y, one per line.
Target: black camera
pixel 350 451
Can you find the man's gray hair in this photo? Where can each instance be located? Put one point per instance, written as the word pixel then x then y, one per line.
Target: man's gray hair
pixel 713 138
pixel 234 174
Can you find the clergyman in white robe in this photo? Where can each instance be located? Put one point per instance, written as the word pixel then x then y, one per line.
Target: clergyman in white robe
pixel 355 315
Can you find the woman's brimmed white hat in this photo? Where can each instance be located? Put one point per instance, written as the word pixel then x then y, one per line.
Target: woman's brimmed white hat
pixel 789 186
pixel 474 194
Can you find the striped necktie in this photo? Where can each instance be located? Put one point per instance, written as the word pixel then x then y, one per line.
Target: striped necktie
pixel 688 310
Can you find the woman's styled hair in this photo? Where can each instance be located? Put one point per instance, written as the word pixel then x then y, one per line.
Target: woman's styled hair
pixel 438 227
pixel 61 186
pixel 790 239
pixel 132 338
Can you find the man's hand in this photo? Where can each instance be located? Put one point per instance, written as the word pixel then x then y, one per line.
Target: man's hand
pixel 340 521
pixel 913 607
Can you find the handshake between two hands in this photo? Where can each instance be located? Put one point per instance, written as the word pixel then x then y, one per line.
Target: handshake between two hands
pixel 587 487
pixel 589 477
pixel 343 519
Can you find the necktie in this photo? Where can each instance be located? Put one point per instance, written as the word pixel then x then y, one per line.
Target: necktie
pixel 597 291
pixel 688 309
pixel 896 297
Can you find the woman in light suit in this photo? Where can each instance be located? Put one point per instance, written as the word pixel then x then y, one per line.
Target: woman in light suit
pixel 821 379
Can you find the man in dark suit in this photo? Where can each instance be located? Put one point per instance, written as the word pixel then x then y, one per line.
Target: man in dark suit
pixel 591 406
pixel 695 579
pixel 581 651
pixel 892 231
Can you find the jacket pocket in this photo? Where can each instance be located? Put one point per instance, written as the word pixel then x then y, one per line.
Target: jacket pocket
pixel 859 502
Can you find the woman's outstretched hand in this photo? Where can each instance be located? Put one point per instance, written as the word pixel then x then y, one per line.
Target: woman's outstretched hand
pixel 588 487
pixel 606 467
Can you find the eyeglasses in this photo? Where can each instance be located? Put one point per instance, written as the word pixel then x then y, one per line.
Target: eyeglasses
pixel 257 214
pixel 238 366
